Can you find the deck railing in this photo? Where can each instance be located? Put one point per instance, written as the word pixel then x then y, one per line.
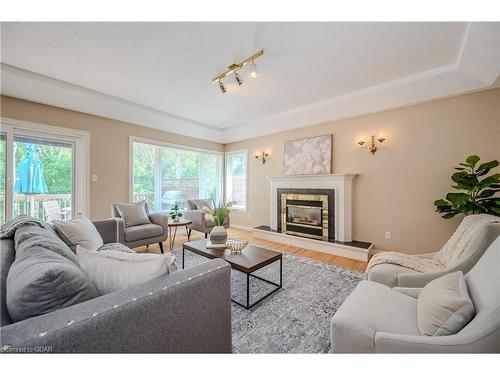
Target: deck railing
pixel 32 204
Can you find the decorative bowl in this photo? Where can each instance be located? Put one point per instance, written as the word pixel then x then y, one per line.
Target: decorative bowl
pixel 236 245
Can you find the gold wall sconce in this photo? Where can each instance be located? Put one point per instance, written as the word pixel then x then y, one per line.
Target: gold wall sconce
pixel 262 156
pixel 373 144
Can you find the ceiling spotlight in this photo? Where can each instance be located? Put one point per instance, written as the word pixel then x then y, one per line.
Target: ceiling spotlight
pixel 221 86
pixel 238 78
pixel 253 70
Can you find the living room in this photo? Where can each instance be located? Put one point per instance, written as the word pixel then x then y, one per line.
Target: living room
pixel 264 190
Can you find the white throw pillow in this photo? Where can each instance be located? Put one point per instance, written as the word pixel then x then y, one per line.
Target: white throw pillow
pixel 78 231
pixel 116 270
pixel 444 306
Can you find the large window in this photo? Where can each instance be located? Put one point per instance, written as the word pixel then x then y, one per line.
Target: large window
pixel 236 178
pixel 164 175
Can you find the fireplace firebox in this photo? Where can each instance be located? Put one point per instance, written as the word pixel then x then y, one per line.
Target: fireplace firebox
pixel 307 213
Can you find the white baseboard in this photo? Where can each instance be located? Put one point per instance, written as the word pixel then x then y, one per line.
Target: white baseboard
pixel 346 251
pixel 242 227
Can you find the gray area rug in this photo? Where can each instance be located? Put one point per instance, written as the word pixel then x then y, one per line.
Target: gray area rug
pixel 295 319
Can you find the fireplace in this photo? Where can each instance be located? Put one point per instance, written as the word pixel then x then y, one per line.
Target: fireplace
pixel 307 213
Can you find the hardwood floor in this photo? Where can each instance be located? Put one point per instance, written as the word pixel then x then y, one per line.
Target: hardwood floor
pixel 181 237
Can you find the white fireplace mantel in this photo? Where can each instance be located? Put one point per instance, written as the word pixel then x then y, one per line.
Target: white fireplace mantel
pixel 342 185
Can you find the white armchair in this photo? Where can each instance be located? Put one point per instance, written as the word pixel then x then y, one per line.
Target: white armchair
pixel 376 318
pixel 394 275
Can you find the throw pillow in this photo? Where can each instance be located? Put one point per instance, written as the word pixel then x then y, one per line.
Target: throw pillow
pixel 78 231
pixel 116 246
pixel 133 213
pixel 444 306
pixel 116 270
pixel 200 203
pixel 45 275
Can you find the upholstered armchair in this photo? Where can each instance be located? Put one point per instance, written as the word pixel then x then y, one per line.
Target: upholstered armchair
pixel 156 231
pixel 197 216
pixel 394 275
pixel 376 318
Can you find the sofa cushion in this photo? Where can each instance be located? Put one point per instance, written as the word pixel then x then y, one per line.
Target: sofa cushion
pixel 142 231
pixel 116 270
pixel 133 213
pixel 371 308
pixel 7 257
pixel 444 306
pixel 45 275
pixel 78 231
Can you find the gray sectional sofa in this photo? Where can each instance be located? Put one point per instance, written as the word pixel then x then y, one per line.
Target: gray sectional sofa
pixel 188 311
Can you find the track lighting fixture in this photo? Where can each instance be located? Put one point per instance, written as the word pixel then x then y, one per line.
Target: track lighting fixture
pixel 222 88
pixel 235 68
pixel 238 79
pixel 253 70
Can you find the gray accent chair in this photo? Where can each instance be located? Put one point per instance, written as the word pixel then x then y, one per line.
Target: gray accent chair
pixel 188 311
pixel 376 318
pixel 197 216
pixel 142 235
pixel 398 276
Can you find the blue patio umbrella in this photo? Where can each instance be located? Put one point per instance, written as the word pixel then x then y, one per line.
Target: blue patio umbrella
pixel 29 176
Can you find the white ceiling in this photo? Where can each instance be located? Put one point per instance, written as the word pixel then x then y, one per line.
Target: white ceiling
pixel 159 74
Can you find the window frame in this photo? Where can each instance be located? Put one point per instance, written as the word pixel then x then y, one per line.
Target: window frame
pixel 153 142
pixel 226 159
pixel 81 159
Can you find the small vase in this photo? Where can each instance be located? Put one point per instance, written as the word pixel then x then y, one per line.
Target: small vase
pixel 176 219
pixel 218 235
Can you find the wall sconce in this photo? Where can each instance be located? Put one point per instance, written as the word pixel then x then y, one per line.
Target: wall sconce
pixel 262 156
pixel 372 143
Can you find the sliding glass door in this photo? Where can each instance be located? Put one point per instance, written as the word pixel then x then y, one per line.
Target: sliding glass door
pixel 165 175
pixel 41 172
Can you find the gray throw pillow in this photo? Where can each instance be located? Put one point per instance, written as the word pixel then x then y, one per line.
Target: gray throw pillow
pixel 133 213
pixel 444 306
pixel 45 275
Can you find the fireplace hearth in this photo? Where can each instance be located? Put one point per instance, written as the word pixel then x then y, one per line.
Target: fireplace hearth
pixel 307 213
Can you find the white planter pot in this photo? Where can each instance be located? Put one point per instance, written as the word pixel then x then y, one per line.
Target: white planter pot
pixel 218 235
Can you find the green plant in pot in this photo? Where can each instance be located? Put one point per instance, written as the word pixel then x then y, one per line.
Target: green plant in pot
pixel 175 212
pixel 478 193
pixel 218 213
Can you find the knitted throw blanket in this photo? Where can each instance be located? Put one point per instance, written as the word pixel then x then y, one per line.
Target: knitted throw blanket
pixel 9 228
pixel 445 257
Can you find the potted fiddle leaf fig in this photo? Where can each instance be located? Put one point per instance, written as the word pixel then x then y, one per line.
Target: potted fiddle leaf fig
pixel 477 193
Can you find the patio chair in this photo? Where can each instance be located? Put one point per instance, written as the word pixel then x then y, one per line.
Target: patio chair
pixel 53 211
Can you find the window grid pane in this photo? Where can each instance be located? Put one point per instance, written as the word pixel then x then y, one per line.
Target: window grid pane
pixel 165 176
pixel 236 179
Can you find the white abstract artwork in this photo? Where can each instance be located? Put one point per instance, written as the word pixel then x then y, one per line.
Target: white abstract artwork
pixel 308 156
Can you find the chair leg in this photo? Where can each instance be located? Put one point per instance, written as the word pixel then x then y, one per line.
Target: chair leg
pixel 206 234
pixel 161 247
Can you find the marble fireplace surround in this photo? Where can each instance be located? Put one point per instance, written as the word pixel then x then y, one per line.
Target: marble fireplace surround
pixel 342 185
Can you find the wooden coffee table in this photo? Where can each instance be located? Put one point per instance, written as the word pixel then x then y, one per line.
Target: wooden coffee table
pixel 251 259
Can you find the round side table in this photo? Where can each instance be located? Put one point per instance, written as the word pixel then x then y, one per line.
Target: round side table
pixel 175 225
